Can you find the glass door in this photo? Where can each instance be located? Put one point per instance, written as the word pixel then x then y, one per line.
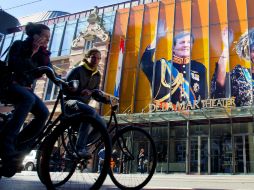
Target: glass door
pixel 244 153
pixel 199 154
pixel 240 154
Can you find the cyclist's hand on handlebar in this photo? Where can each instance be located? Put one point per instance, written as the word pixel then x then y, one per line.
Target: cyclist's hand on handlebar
pixel 71 89
pixel 86 92
pixel 72 86
pixel 101 96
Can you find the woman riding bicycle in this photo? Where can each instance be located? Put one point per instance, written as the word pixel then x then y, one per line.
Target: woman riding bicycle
pixel 23 57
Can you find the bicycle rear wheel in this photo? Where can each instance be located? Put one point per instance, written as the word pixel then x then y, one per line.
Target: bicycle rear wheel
pixel 61 166
pixel 124 168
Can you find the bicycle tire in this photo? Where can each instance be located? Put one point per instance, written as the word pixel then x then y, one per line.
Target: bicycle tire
pixel 89 179
pixel 38 164
pixel 40 156
pixel 131 179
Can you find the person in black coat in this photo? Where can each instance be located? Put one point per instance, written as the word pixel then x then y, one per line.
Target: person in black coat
pixel 23 58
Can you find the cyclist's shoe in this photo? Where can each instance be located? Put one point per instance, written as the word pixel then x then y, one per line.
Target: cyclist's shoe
pixel 11 165
pixel 7 172
pixel 10 168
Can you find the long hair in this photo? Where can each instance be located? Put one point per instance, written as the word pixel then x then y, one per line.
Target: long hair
pixel 34 28
pixel 244 44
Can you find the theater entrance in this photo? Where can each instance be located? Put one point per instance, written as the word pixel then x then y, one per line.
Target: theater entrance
pixel 199 154
pixel 243 153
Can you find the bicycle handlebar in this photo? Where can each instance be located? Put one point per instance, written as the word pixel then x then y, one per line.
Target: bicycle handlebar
pixel 57 80
pixel 97 94
pixel 105 98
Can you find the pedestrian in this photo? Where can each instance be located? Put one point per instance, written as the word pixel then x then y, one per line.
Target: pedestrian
pixel 101 155
pixel 141 160
pixel 125 161
pixel 115 161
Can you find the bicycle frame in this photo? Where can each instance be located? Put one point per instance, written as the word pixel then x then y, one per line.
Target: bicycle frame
pixel 63 116
pixel 50 122
pixel 113 131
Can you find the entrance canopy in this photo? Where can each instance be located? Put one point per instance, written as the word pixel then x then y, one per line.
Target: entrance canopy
pixel 199 114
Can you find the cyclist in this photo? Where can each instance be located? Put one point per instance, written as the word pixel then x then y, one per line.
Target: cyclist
pixel 23 57
pixel 89 77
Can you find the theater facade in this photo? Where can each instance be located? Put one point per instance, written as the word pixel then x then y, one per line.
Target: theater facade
pixel 182 69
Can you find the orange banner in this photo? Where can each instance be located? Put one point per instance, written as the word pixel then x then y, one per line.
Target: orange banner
pixel 144 92
pixel 132 46
pixel 119 33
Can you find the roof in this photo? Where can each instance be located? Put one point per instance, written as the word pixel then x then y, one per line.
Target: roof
pixel 7 21
pixel 41 16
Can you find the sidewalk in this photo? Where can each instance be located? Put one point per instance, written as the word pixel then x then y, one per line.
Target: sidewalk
pixel 201 182
pixel 30 181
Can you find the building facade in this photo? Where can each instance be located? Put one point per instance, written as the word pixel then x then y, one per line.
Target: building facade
pixel 198 125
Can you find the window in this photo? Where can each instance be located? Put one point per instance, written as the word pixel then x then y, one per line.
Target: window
pixel 121 6
pixel 51 91
pixel 1 39
pixel 82 24
pixel 56 39
pixel 6 44
pixel 68 37
pixel 127 5
pixel 108 21
pixel 147 1
pixel 88 45
pixel 18 36
pixel 134 3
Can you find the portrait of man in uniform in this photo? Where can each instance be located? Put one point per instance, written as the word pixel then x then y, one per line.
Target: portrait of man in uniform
pixel 180 80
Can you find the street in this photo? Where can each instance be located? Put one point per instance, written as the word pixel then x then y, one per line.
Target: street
pixel 30 181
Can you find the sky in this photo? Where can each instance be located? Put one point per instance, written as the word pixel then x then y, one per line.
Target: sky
pixel 20 8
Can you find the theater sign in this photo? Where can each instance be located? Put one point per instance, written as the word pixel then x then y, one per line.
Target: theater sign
pixel 208 103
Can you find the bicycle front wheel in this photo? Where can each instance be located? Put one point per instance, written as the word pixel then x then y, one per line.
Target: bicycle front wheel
pixel 127 170
pixel 56 163
pixel 61 167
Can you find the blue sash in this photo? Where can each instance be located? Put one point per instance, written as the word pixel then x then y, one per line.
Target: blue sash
pixel 177 80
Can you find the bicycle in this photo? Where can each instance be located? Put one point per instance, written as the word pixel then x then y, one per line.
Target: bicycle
pixel 58 125
pixel 125 140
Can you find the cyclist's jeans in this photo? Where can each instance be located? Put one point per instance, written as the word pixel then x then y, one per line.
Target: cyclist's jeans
pixel 74 106
pixel 25 101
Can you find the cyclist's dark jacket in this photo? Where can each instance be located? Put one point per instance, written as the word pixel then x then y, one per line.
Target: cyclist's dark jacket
pixel 20 61
pixel 87 80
